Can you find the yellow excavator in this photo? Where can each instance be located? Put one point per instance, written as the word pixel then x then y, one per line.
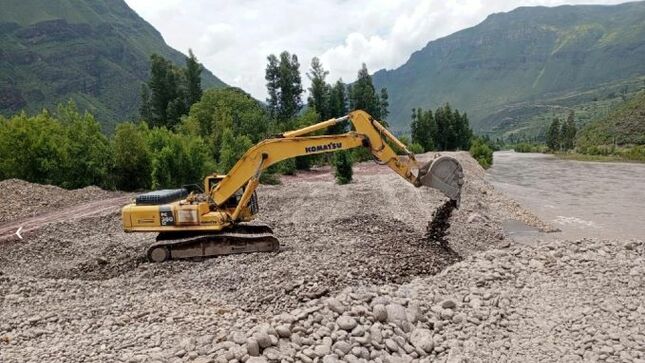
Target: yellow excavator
pixel 213 223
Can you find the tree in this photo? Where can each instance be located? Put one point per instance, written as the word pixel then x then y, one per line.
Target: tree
pixel 284 87
pixel 343 165
pixel 273 85
pixel 164 90
pixel 338 105
pixel 319 91
pixel 89 154
pixel 481 152
pixel 145 109
pixel 384 104
pixel 553 135
pixel 423 129
pixel 132 158
pixel 220 109
pixel 193 79
pixel 568 132
pixel 363 96
pixel 233 147
pixel 170 91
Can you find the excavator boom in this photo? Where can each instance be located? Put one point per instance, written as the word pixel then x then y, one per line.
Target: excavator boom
pixel 194 227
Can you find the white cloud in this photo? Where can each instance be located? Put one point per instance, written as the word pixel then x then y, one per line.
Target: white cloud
pixel 233 38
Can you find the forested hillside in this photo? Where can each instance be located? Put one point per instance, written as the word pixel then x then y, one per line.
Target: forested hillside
pixel 94 52
pixel 513 68
pixel 624 125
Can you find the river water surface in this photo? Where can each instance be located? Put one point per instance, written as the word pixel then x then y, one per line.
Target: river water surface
pixel 583 199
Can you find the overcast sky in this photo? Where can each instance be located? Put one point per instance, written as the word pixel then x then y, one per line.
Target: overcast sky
pixel 232 38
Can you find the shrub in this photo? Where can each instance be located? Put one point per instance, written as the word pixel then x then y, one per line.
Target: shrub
pixel 343 164
pixel 482 153
pixel 415 148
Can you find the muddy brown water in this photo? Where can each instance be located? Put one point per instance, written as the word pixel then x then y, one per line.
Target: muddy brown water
pixel 582 199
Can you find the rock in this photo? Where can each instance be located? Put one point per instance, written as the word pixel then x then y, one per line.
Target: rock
pixel 396 314
pixel 448 304
pixel 330 359
pixel 322 350
pixel 475 218
pixel 238 337
pixel 422 339
pixel 380 312
pixel 253 347
pixel 346 323
pixel 283 331
pixel 391 345
pixel 263 339
pixel 257 360
pixel 336 306
pixel 342 346
pixel 271 354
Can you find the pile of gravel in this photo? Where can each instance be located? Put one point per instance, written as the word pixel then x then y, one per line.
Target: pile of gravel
pixel 23 199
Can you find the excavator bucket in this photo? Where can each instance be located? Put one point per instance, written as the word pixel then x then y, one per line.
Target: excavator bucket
pixel 445 174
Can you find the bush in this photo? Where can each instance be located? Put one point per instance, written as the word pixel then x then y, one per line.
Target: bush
pixel 482 153
pixel 343 164
pixel 416 148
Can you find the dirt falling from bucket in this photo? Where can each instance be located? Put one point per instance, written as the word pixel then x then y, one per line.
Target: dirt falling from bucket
pixel 437 229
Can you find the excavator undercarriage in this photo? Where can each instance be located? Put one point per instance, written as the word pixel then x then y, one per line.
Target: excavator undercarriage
pixel 215 222
pixel 241 238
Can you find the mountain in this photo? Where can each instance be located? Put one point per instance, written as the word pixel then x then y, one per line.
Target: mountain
pixel 95 52
pixel 514 69
pixel 624 125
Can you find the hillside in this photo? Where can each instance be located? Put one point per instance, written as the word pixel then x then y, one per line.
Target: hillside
pixel 516 66
pixel 95 52
pixel 624 125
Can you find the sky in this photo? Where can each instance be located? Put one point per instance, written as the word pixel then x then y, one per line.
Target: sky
pixel 233 38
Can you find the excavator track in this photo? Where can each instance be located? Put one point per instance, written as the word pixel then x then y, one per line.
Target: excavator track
pixel 242 238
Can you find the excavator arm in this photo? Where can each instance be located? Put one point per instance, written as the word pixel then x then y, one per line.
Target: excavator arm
pixel 443 173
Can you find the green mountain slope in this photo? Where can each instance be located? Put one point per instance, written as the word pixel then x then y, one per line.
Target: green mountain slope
pixel 511 69
pixel 624 125
pixel 95 52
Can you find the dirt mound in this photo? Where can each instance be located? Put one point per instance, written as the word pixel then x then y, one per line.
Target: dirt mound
pixel 24 199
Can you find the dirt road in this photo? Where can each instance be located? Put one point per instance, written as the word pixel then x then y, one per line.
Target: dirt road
pixel 30 224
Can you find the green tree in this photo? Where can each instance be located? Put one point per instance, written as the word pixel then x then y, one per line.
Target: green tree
pixel 342 161
pixel 164 92
pixel 481 152
pixel 553 135
pixel 132 158
pixel 272 77
pixel 89 153
pixel 319 91
pixel 338 106
pixel 284 87
pixel 220 109
pixel 363 96
pixel 33 148
pixel 568 132
pixel 145 109
pixel 233 147
pixel 423 129
pixel 177 159
pixel 193 79
pixel 384 104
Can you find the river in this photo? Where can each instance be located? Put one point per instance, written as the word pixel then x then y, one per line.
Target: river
pixel 582 199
